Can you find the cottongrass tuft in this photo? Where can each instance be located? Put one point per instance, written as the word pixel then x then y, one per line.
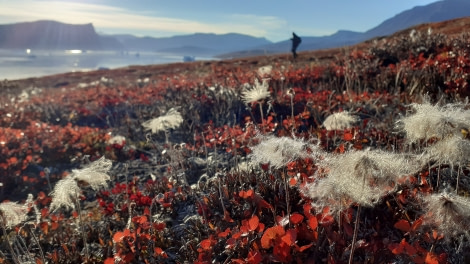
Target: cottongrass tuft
pixel 66 191
pixel 171 120
pixel 65 194
pixel 279 151
pixel 13 213
pixel 265 71
pixel 448 212
pixel 117 139
pixel 433 121
pixel 94 174
pixel 256 92
pixel 453 151
pixel 339 121
pixel 358 177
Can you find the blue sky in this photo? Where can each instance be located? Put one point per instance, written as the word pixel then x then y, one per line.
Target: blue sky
pixel 272 19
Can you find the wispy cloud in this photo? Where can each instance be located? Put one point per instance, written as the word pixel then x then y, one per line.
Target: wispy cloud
pixel 115 19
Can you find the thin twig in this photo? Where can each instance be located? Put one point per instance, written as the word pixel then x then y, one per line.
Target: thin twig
pixel 356 228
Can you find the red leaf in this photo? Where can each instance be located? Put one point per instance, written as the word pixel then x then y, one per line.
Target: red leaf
pixel 296 218
pixel 227 217
pixel 45 227
pixel 307 208
pixel 303 248
pixel 265 166
pixel 313 222
pixel 12 160
pixel 54 225
pixel 403 225
pixel 225 233
pixel 417 224
pixel 292 181
pixel 246 194
pixel 253 223
pixel 410 250
pixel 347 136
pixel 290 237
pixel 119 236
pixel 341 148
pixel 270 234
pixel 396 248
pixel 206 244
pixel 109 261
pixel 254 258
pixel 282 252
pixel 146 211
pixel 159 252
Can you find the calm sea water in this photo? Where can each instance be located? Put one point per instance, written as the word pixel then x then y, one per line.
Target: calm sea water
pixel 24 64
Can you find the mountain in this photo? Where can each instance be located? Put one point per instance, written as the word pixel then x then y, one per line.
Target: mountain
pixel 340 38
pixel 434 12
pixel 53 35
pixel 200 43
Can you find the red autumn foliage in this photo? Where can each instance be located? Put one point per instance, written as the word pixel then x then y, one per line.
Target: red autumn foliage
pixel 186 194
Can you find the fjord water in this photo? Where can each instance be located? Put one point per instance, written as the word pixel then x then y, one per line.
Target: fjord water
pixel 20 64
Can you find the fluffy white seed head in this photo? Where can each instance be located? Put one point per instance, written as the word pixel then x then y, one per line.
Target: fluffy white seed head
pixel 94 174
pixel 361 177
pixel 13 213
pixel 118 139
pixel 171 120
pixel 65 193
pixel 265 71
pixel 256 92
pixel 279 151
pixel 448 212
pixel 339 121
pixel 433 121
pixel 454 151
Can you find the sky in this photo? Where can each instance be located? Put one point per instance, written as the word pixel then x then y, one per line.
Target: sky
pixel 272 19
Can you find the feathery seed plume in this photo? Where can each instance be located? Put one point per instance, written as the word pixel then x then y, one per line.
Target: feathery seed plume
pixel 265 71
pixel 433 121
pixel 13 213
pixel 339 121
pixel 278 151
pixel 65 193
pixel 448 212
pixel 361 177
pixel 171 120
pixel 94 174
pixel 256 92
pixel 454 151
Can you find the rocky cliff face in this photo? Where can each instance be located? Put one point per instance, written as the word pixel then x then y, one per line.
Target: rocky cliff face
pixel 52 35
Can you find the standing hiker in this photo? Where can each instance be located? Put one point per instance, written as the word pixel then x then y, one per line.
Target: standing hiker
pixel 295 43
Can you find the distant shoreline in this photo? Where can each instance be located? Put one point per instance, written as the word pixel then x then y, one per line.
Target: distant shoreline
pixel 20 64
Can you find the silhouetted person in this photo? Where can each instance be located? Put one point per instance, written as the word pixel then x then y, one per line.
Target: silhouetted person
pixel 295 43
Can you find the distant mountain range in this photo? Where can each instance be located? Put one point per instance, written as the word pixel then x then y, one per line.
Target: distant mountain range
pixel 52 35
pixel 195 44
pixel 434 12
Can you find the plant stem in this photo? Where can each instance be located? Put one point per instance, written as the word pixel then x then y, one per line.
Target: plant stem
pixel 5 233
pixel 82 229
pixel 356 228
pixel 261 112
